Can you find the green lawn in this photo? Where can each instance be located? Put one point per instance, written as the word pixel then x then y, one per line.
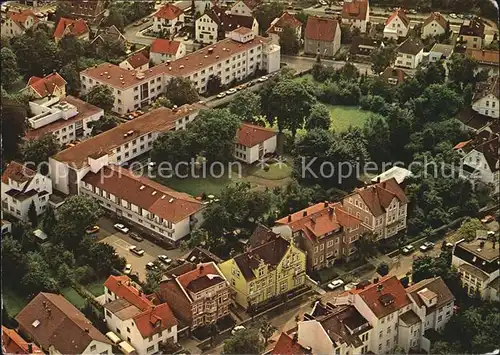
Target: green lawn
pixel 13 302
pixel 197 186
pixel 96 288
pixel 276 171
pixel 344 116
pixel 74 297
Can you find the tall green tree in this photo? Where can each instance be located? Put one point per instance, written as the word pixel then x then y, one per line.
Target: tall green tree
pixel 468 229
pixel 39 150
pixel 246 105
pixel 33 215
pixel 9 73
pixel 71 74
pixel 244 342
pixel 101 96
pixel 266 329
pixel 38 278
pixel 13 260
pixel 174 147
pixel 381 58
pixel 289 42
pixel 153 279
pixel 266 13
pixel 180 91
pixel 103 124
pixel 12 128
pixel 49 221
pixel 319 117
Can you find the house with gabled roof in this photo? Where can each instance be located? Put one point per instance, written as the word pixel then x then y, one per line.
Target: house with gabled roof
pixel 253 142
pixel 288 345
pixel 322 36
pixel 397 25
pixel 199 297
pixel 488 60
pixel 77 28
pixel 164 50
pixel 136 318
pixel 169 17
pixel 471 33
pixel 138 61
pixel 51 85
pixel 264 273
pixel 434 25
pixel 280 23
pixel 17 22
pixel 356 13
pixel 106 36
pixel 393 76
pixel 487 101
pixel 382 207
pixel 244 7
pixel 13 343
pixel 326 231
pixel 58 327
pixel 410 53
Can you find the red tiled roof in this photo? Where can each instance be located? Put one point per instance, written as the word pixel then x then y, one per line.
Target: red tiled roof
pixel 168 12
pixel 250 135
pixel 286 345
pixel 121 286
pixel 21 17
pixel 200 276
pixel 395 73
pixel 17 172
pixel 137 60
pixel 286 20
pixel 379 196
pixel 75 27
pixel 321 28
pixel 160 200
pixel 165 46
pixel 355 9
pixel 147 324
pixel 484 56
pixel 12 343
pixel 45 86
pixel 402 16
pixel 438 18
pixel 228 22
pixel 391 290
pixel 461 144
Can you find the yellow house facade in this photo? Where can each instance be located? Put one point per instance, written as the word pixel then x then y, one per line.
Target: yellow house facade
pixel 265 272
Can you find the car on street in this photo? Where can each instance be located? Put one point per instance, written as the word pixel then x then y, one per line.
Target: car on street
pixel 128 269
pixel 408 249
pixel 136 250
pixel 236 329
pixel 221 95
pixel 92 230
pixel 329 11
pixel 412 11
pixel 487 219
pixel 151 266
pixel 138 23
pixel 427 246
pixel 136 237
pixel 121 228
pixel 231 91
pixel 335 284
pixel 453 15
pixel 262 79
pixel 164 259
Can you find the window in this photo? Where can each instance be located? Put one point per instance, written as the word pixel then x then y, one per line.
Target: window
pixel 93 348
pixel 381 334
pixel 128 329
pixel 150 349
pixel 322 247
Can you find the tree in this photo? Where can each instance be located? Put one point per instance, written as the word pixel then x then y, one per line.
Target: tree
pixel 70 73
pixel 101 96
pixel 376 133
pixel 13 260
pixel 462 70
pixel 366 246
pixel 162 101
pixel 174 147
pixel 180 91
pixel 37 278
pixel 65 275
pixel 153 279
pixel 9 70
pixel 319 117
pixel 101 257
pixel 244 342
pixel 381 58
pixel 266 329
pixel 214 84
pixel 437 103
pixel 434 73
pixel 246 105
pixel 37 151
pixel 32 215
pixel 71 49
pixel 116 18
pixel 201 237
pixel 468 229
pixel 289 42
pixel 103 124
pixel 12 126
pixel 383 269
pixel 267 12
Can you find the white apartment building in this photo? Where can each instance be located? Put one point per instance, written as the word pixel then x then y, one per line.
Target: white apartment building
pixel 16 23
pixel 164 50
pixel 169 17
pixel 356 13
pixel 22 186
pixel 115 146
pixel 163 212
pixel 67 119
pixel 382 207
pixel 254 142
pixel 135 319
pixel 434 25
pixel 487 102
pixel 409 54
pixel 397 25
pixel 234 58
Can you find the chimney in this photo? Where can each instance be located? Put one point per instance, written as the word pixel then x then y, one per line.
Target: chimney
pixel 378 179
pixel 201 268
pixel 330 211
pixel 87 330
pixel 326 204
pixel 380 288
pixel 49 311
pixel 307 350
pixel 140 293
pixel 289 218
pixel 375 280
pixel 30 348
pixel 295 338
pixel 304 214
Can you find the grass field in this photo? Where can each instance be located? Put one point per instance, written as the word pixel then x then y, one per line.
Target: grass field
pixel 197 186
pixel 13 302
pixel 276 172
pixel 96 288
pixel 344 116
pixel 74 297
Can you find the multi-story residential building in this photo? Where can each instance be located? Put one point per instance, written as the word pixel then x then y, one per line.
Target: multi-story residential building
pixel 254 142
pixel 48 86
pixel 382 207
pixel 138 62
pixel 58 327
pixel 234 58
pixel 325 231
pixel 488 60
pixel 266 272
pixel 399 317
pixel 244 7
pixel 338 330
pixel 322 36
pixel 67 119
pixel 409 54
pixel 164 50
pixel 169 17
pixel 198 297
pixel 478 265
pixel 163 212
pixel 13 343
pixel 397 25
pixel 434 25
pixel 115 146
pixel 92 11
pixel 77 28
pixel 471 33
pixel 356 13
pixel 393 76
pixel 135 318
pixel 21 187
pixel 280 23
pixel 217 24
pixel 16 23
pixel 487 101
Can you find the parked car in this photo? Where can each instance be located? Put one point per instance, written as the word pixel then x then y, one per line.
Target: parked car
pixel 412 11
pixel 453 15
pixel 237 329
pixel 335 284
pixel 221 95
pixel 92 230
pixel 136 250
pixel 164 259
pixel 408 249
pixel 136 237
pixel 262 79
pixel 487 219
pixel 138 23
pixel 121 228
pixel 128 269
pixel 427 246
pixel 231 91
pixel 317 6
pixel 151 266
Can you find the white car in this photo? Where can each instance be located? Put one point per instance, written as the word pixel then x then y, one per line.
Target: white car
pixel 121 228
pixel 237 329
pixel 164 259
pixel 453 16
pixel 262 79
pixel 221 95
pixel 231 91
pixel 335 284
pixel 136 250
pixel 128 269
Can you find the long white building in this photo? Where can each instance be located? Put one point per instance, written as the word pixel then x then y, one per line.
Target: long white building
pixel 234 58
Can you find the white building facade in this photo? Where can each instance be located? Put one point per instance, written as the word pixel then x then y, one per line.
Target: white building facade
pixel 397 25
pixel 253 143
